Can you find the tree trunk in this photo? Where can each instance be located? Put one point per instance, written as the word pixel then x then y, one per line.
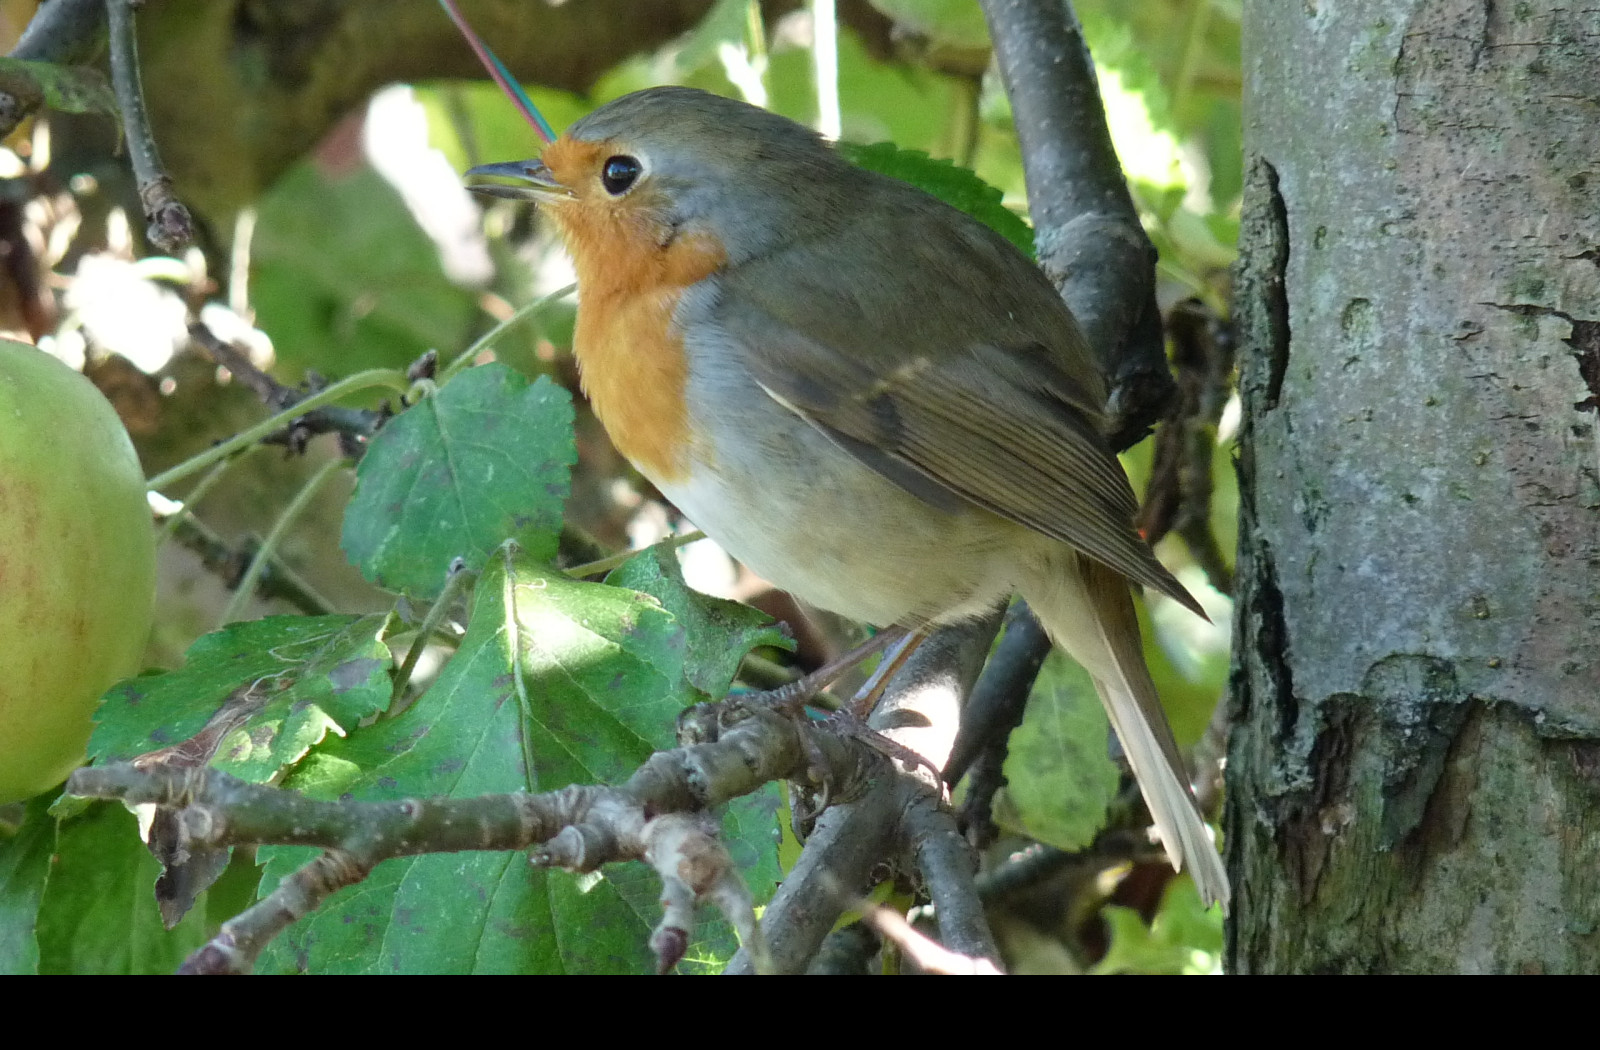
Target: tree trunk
pixel 1414 775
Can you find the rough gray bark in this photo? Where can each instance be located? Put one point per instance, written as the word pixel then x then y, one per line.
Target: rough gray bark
pixel 1414 776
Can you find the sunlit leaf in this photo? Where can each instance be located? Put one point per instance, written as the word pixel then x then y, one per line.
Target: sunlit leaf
pixel 1184 938
pixel 311 675
pixel 718 632
pixel 581 680
pixel 486 459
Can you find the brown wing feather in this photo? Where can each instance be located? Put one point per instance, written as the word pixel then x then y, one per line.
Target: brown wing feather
pixel 965 368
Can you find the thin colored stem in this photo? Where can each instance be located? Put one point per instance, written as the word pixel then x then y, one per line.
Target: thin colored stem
pixel 490 337
pixel 194 496
pixel 603 565
pixel 389 377
pixel 302 499
pixel 430 623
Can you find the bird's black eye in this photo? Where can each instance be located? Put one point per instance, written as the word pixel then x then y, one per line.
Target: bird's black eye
pixel 619 173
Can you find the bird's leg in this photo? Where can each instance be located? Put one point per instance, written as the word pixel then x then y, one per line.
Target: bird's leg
pixel 701 722
pixel 868 696
pixel 851 719
pixel 792 696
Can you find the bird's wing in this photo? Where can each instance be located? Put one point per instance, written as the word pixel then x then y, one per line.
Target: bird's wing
pixel 932 351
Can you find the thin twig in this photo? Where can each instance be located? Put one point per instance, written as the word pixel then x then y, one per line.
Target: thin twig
pixel 846 952
pixel 947 866
pixel 926 953
pixel 354 426
pixel 996 707
pixel 63 31
pixel 252 575
pixel 848 842
pixel 454 582
pixel 601 566
pixel 170 226
pixel 192 498
pixel 1179 495
pixel 578 827
pixel 919 711
pixel 825 66
pixel 492 336
pixel 276 581
pixel 1001 692
pixel 387 377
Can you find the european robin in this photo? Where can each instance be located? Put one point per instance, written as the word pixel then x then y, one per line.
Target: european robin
pixel 869 398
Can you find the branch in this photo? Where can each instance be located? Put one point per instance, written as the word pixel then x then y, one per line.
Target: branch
pixel 846 952
pixel 170 226
pixel 920 711
pixel 279 75
pixel 65 32
pixel 1179 495
pixel 1087 230
pixel 928 955
pixel 996 708
pixel 947 866
pixel 354 426
pixel 653 817
pixel 276 580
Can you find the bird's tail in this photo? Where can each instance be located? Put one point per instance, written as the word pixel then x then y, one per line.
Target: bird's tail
pixel 1090 614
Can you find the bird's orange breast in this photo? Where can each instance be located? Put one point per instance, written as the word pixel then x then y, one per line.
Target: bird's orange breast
pixel 629 354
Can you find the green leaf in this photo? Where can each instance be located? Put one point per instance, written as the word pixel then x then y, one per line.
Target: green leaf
pixel 958 22
pixel 750 830
pixel 70 89
pixel 486 459
pixel 99 912
pixel 725 23
pixel 719 632
pixel 1184 938
pixel 24 867
pixel 556 682
pixel 1060 778
pixel 319 673
pixel 879 101
pixel 343 278
pixel 1181 59
pixel 956 186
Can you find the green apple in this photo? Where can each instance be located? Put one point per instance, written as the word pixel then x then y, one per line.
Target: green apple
pixel 77 565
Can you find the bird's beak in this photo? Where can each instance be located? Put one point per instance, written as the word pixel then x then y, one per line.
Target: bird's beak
pixel 535 181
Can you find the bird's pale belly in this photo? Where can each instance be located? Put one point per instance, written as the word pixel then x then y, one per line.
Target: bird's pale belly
pixel 807 516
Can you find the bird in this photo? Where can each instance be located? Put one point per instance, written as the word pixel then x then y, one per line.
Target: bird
pixel 866 396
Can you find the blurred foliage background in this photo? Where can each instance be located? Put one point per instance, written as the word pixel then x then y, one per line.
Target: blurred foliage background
pixel 364 251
